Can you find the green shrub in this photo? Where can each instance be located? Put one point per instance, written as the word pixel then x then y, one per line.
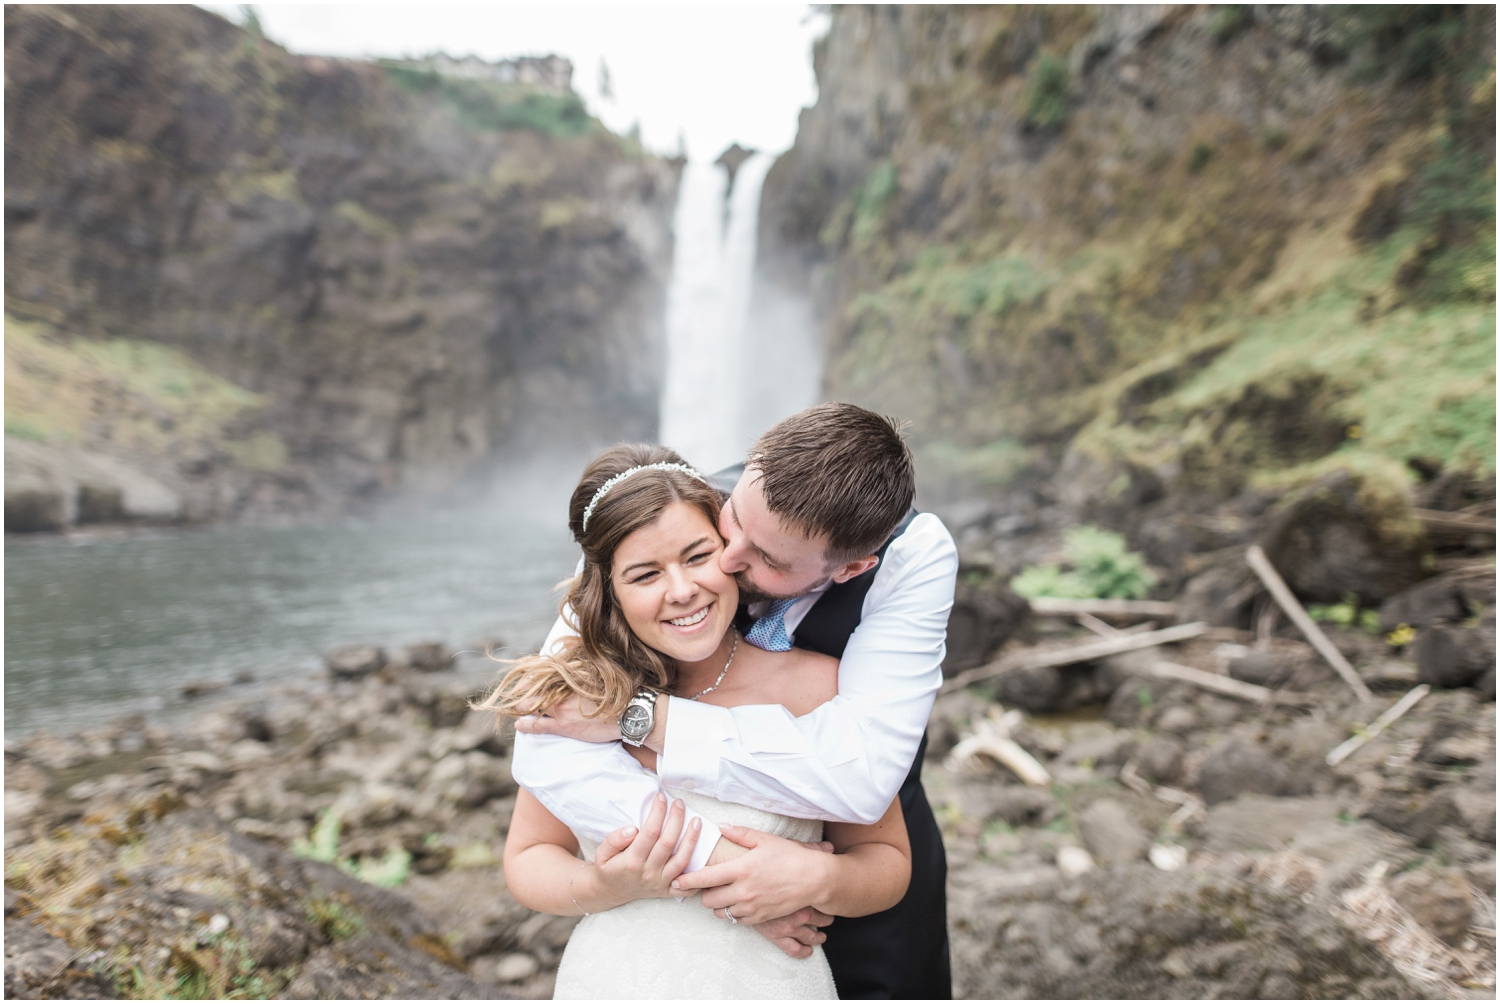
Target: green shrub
pixel 494 107
pixel 1101 567
pixel 323 845
pixel 1346 614
pixel 1417 40
pixel 1199 156
pixel 1050 580
pixel 1227 21
pixel 872 198
pixel 1047 93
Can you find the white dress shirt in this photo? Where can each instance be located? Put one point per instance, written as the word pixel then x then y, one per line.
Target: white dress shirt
pixel 844 761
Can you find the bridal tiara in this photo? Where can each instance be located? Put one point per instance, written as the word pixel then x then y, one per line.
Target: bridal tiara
pixel 604 488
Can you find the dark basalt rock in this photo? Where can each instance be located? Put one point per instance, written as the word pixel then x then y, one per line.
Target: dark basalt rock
pixel 1327 543
pixel 1236 767
pixel 986 614
pixel 1455 656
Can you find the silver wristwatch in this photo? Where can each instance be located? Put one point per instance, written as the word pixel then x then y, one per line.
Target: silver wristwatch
pixel 639 717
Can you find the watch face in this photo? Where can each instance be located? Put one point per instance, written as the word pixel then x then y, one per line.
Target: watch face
pixel 635 721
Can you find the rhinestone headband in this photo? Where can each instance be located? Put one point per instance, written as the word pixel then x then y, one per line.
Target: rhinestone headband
pixel 604 488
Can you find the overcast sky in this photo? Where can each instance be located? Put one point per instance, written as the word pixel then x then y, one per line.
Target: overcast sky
pixel 715 74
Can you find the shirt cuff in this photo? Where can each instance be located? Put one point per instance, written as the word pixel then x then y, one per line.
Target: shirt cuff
pixel 690 751
pixel 708 839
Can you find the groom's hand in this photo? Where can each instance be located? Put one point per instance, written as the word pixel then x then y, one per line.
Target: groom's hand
pixel 775 878
pixel 796 934
pixel 567 718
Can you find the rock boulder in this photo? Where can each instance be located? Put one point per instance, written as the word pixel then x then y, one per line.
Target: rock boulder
pixel 1236 767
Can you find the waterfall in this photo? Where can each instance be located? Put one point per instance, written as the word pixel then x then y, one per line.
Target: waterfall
pixel 727 380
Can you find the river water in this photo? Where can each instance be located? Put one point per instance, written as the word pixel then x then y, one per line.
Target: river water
pixel 102 625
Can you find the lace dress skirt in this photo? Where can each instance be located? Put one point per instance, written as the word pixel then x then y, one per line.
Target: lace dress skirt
pixel 663 949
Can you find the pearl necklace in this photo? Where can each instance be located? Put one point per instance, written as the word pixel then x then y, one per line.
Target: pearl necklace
pixel 732 649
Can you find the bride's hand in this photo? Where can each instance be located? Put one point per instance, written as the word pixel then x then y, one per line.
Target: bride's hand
pixel 632 865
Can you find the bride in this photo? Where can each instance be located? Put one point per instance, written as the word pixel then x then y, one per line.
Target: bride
pixel 654 610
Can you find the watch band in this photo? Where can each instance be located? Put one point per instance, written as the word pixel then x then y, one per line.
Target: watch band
pixel 639 717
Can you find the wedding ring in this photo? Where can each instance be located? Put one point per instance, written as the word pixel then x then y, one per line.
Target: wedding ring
pixel 730 916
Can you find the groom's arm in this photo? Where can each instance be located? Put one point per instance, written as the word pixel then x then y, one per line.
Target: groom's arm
pixel 844 761
pixel 847 759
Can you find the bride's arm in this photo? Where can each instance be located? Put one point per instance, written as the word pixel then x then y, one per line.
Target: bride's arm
pixel 871 865
pixel 544 873
pixel 868 872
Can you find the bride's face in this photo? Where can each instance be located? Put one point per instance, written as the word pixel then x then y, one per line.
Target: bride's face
pixel 673 593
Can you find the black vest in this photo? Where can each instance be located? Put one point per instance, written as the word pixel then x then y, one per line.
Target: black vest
pixel 901 953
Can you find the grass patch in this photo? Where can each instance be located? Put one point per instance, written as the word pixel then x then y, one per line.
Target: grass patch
pixel 1344 386
pixel 371 223
pixel 147 395
pixel 334 919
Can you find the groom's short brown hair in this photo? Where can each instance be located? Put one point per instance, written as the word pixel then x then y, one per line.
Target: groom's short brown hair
pixel 840 471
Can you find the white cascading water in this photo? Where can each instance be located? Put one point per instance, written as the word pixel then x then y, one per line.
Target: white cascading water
pixel 722 386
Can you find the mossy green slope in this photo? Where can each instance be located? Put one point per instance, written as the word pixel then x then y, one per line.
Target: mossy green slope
pixel 1217 250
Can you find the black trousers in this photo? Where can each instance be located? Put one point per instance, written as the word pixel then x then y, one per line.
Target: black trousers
pixel 901 954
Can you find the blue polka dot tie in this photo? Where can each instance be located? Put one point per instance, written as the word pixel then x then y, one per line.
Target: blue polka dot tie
pixel 769 632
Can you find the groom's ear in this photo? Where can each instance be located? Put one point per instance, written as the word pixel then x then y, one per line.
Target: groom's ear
pixel 850 569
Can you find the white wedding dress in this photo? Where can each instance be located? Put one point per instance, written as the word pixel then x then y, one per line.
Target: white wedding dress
pixel 663 949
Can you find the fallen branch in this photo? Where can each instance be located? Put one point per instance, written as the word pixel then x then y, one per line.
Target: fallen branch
pixel 1033 659
pixel 1457 522
pixel 1119 608
pixel 1104 630
pixel 1188 804
pixel 1225 684
pixel 1278 588
pixel 1097 626
pixel 1341 752
pixel 991 737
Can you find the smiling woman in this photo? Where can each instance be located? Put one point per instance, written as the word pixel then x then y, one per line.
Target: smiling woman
pixel 674 596
pixel 628 514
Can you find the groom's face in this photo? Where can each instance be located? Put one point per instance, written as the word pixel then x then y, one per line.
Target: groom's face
pixel 768 560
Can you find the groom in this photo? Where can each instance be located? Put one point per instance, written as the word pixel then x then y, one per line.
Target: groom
pixel 830 557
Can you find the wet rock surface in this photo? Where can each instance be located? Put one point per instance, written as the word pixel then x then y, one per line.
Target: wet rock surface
pixel 1188 843
pixel 1173 809
pixel 147 863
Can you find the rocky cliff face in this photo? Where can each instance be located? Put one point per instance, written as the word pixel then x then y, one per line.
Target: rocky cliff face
pixel 271 283
pixel 1191 249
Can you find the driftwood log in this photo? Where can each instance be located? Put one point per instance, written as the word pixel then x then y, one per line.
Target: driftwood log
pixel 1341 752
pixel 1267 572
pixel 1034 659
pixel 1226 685
pixel 1106 608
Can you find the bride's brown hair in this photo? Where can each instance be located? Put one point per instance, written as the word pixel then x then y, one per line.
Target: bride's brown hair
pixel 606 664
